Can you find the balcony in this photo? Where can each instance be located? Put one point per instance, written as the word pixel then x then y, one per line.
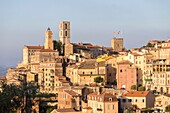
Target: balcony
pixel 148 79
pixel 99 109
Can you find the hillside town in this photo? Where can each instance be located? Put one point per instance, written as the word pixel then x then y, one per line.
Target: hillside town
pixel 60 76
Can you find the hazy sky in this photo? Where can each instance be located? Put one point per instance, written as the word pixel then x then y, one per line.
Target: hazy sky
pixel 24 22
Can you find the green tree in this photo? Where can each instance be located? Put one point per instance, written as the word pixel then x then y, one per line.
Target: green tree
pixel 133 87
pixel 167 108
pixel 58 46
pixel 150 45
pixel 12 96
pixel 98 79
pixel 141 88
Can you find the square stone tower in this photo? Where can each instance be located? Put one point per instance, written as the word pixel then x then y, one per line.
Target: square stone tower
pixel 117 44
pixel 64 32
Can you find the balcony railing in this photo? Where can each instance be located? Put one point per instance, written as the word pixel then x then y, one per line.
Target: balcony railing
pixel 99 109
pixel 148 79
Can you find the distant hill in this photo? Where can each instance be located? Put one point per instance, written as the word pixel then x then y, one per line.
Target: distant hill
pixel 3 70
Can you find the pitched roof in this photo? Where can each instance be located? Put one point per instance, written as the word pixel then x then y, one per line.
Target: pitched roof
pixel 124 62
pixel 87 107
pixel 89 64
pixel 72 93
pixel 35 47
pixel 105 97
pixel 2 77
pixel 165 47
pixel 137 94
pixel 64 81
pixel 168 95
pixel 136 54
pixel 65 110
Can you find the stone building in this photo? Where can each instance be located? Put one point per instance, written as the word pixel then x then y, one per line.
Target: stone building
pixel 142 99
pixel 64 32
pixel 117 44
pixel 68 98
pixel 84 72
pixel 48 40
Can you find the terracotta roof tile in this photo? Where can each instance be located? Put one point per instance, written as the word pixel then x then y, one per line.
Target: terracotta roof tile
pixel 87 107
pixel 136 94
pixel 136 54
pixel 66 110
pixel 104 97
pixel 166 47
pixel 2 77
pixel 72 93
pixel 90 64
pixel 124 62
pixel 168 95
pixel 64 81
pixel 35 47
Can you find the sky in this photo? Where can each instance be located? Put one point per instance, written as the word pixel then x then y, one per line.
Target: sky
pixel 24 22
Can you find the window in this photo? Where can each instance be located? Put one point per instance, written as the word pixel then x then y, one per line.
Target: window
pixel 129 100
pixel 60 33
pixel 65 26
pixel 113 106
pixel 143 100
pixel 83 73
pixel 91 73
pixel 100 99
pixel 110 99
pixel 121 70
pixel 108 107
pixel 136 100
pixel 100 106
pixel 124 100
pixel 66 33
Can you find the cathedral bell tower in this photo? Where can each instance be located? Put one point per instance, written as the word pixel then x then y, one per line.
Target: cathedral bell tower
pixel 64 32
pixel 48 40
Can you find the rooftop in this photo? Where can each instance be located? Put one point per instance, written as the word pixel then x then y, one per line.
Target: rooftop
pixel 89 64
pixel 72 93
pixel 65 110
pixel 2 77
pixel 137 94
pixel 125 62
pixel 35 47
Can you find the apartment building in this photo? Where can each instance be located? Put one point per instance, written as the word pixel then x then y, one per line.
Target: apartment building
pixel 126 75
pixel 142 99
pixel 103 103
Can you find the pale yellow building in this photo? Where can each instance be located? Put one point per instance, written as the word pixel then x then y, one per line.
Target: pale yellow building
pixel 48 40
pixel 84 72
pixel 161 76
pixel 50 77
pixel 162 101
pixel 103 103
pixel 142 99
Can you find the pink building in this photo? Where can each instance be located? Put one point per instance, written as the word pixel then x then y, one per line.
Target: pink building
pixel 126 75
